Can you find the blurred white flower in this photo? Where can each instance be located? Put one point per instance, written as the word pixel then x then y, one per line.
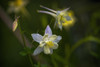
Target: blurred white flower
pixel 18 6
pixel 61 17
pixel 48 42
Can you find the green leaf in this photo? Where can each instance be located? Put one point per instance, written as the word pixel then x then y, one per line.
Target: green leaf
pixel 37 65
pixel 23 53
pixel 26 51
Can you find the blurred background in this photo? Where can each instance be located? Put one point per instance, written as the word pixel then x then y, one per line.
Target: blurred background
pixel 80 44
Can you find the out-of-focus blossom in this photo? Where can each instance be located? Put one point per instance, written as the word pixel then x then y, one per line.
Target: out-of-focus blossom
pixel 62 17
pixel 70 23
pixel 15 24
pixel 17 6
pixel 48 42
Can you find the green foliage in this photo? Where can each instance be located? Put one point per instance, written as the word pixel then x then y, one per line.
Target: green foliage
pixel 26 51
pixel 87 23
pixel 86 39
pixel 94 54
pixel 40 65
pixel 95 25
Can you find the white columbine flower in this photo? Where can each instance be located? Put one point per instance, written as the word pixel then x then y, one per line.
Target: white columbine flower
pixel 47 43
pixel 60 16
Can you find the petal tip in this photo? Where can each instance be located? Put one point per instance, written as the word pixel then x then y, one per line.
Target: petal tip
pixel 48 26
pixel 48 30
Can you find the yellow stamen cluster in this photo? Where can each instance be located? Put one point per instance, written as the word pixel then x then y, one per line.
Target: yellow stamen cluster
pixel 70 22
pixel 50 44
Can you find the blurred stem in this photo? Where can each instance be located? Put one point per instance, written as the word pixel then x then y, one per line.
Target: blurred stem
pixel 67 55
pixel 31 60
pixel 25 46
pixel 80 42
pixel 69 51
pixel 68 48
pixel 54 62
pixel 22 35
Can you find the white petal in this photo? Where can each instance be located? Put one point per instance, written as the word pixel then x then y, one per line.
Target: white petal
pixel 45 37
pixel 37 37
pixel 48 30
pixel 38 50
pixel 58 39
pixel 42 43
pixel 53 38
pixel 65 10
pixel 51 50
pixel 55 46
pixel 60 25
pixel 46 50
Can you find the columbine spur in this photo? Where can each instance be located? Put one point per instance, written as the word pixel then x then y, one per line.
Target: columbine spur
pixel 60 16
pixel 47 43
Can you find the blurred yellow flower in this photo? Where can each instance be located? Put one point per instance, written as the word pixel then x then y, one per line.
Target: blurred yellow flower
pixel 71 22
pixel 63 17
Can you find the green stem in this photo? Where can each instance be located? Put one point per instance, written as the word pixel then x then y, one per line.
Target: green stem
pixel 67 55
pixel 22 36
pixel 25 46
pixel 54 62
pixel 80 42
pixel 29 56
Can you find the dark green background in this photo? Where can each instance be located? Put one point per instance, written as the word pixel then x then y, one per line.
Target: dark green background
pixel 87 14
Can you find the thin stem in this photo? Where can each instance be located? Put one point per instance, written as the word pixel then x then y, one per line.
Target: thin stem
pixel 67 55
pixel 22 35
pixel 25 46
pixel 54 62
pixel 29 56
pixel 80 42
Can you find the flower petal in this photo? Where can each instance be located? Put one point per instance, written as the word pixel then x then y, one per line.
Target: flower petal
pixel 38 50
pixel 46 50
pixel 37 37
pixel 68 18
pixel 55 46
pixel 59 23
pixel 48 30
pixel 53 37
pixel 65 10
pixel 51 50
pixel 58 39
pixel 45 37
pixel 42 43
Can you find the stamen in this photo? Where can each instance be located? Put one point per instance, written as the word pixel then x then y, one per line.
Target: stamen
pixel 50 44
